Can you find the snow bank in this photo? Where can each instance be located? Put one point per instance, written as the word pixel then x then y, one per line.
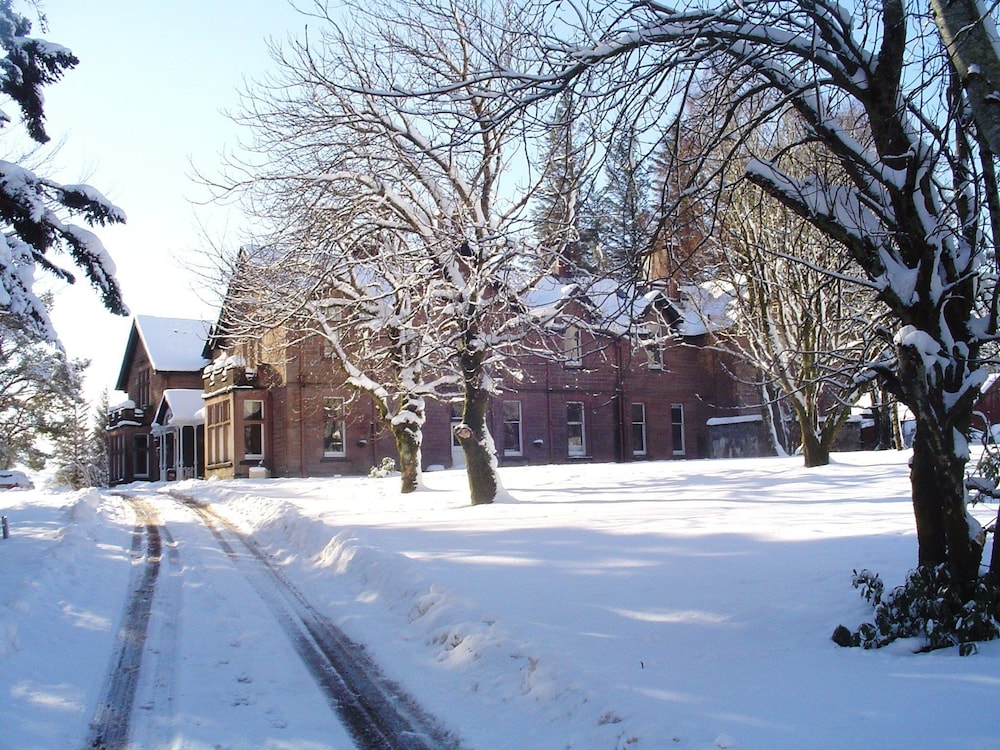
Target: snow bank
pixel 476 654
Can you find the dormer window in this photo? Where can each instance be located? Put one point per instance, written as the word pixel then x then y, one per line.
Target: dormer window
pixel 572 348
pixel 654 346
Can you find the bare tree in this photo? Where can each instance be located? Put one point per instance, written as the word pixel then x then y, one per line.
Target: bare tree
pixel 969 33
pixel 912 205
pixel 799 318
pixel 811 334
pixel 393 238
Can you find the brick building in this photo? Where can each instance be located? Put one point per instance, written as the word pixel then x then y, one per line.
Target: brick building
pixel 156 432
pixel 277 405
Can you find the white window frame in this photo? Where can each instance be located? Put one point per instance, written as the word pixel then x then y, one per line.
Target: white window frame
pixel 654 347
pixel 677 429
pixel 581 450
pixel 519 450
pixel 258 424
pixel 340 419
pixel 572 348
pixel 642 429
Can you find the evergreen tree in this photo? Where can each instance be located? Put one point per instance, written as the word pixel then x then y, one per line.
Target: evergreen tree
pixel 35 212
pixel 98 471
pixel 36 381
pixel 625 207
pixel 681 243
pixel 566 222
pixel 72 443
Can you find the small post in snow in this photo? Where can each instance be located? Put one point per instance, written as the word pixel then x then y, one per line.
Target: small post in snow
pixel 6 528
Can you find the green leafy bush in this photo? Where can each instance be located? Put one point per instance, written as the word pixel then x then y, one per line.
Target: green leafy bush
pixel 928 606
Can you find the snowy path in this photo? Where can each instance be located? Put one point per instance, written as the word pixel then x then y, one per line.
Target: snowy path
pixel 189 656
pixel 110 726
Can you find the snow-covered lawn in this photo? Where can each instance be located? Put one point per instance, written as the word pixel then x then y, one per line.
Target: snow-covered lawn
pixel 645 605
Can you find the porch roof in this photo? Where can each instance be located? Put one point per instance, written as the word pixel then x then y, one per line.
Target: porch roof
pixel 180 407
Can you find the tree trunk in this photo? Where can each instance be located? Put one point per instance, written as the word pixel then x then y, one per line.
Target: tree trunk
pixel 995 557
pixel 932 548
pixel 968 33
pixel 944 534
pixel 814 450
pixel 407 428
pixel 473 435
pixel 937 474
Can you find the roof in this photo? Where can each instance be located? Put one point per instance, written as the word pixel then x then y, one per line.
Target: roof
pixel 173 345
pixel 618 307
pixel 180 406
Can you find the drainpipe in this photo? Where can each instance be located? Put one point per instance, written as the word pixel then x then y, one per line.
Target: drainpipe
pixel 302 433
pixel 620 395
pixel 548 408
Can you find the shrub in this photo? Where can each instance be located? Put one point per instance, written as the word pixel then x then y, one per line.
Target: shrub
pixel 384 469
pixel 929 606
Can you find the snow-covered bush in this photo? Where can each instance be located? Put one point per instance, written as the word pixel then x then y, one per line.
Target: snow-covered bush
pixel 384 469
pixel 928 606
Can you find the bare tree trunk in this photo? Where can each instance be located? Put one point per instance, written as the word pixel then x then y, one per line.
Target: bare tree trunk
pixel 968 32
pixel 814 450
pixel 995 557
pixel 407 428
pixel 945 534
pixel 932 548
pixel 473 434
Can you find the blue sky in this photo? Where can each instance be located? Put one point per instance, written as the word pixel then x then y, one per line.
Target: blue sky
pixel 144 104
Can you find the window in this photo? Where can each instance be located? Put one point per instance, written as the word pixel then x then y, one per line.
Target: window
pixel 654 347
pixel 512 429
pixel 677 428
pixel 116 458
pixel 576 442
pixel 456 419
pixel 253 429
pixel 654 356
pixel 142 387
pixel 218 435
pixel 140 455
pixel 334 428
pixel 573 347
pixel 638 429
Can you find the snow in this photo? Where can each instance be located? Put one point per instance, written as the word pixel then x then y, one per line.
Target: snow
pixel 734 420
pixel 174 344
pixel 185 406
pixel 641 605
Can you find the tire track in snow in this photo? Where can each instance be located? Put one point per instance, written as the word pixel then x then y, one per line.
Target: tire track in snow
pixel 155 695
pixel 109 729
pixel 377 712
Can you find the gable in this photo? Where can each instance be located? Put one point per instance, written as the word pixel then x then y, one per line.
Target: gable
pixel 170 344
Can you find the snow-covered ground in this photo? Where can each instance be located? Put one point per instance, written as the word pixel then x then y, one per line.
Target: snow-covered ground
pixel 644 605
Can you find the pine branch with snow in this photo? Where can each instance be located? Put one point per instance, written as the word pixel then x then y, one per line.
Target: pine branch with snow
pixel 37 214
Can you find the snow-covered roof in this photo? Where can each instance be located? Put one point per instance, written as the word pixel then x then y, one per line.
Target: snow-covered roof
pixel 618 307
pixel 173 345
pixel 705 307
pixel 713 421
pixel 180 407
